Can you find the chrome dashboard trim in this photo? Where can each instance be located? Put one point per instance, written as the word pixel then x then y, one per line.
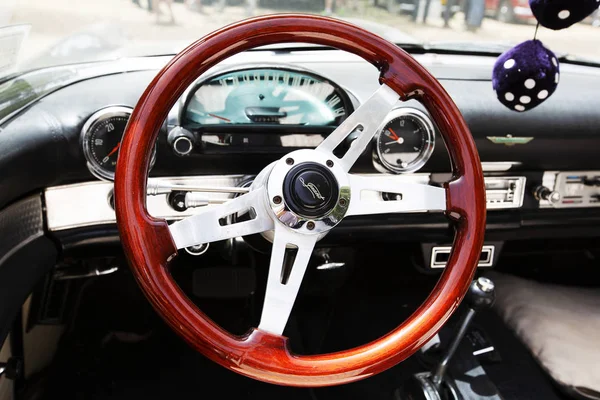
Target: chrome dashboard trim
pixel 498 166
pixel 87 204
pixel 488 261
pixel 511 197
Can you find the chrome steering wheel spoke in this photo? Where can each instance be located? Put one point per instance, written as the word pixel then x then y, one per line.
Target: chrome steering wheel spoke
pixel 365 119
pixel 403 197
pixel 215 224
pixel 289 260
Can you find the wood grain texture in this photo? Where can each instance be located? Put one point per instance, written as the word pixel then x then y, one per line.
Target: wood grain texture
pixel 148 245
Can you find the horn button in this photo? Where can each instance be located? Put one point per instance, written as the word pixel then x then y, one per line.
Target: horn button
pixel 310 190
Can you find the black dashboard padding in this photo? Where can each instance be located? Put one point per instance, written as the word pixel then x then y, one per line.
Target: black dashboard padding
pixel 26 255
pixel 19 224
pixel 41 147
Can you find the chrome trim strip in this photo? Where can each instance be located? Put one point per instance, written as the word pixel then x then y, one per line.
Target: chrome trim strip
pixel 88 204
pixel 518 193
pixel 498 166
pixel 487 262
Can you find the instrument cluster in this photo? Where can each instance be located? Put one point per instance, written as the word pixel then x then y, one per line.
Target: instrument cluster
pixel 263 109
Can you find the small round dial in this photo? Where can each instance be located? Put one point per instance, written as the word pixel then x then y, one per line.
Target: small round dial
pixel 101 139
pixel 404 141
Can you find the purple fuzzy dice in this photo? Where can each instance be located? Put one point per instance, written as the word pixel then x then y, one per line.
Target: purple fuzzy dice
pixel 561 14
pixel 525 76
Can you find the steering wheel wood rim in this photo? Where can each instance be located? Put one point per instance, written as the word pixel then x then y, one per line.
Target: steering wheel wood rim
pixel 149 246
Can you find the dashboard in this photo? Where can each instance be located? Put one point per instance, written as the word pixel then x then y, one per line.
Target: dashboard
pixel 542 173
pixel 263 110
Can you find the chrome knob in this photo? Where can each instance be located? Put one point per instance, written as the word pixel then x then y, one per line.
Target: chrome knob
pixel 485 284
pixel 181 141
pixel 544 193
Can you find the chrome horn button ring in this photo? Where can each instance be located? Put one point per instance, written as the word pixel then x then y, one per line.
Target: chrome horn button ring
pixel 308 192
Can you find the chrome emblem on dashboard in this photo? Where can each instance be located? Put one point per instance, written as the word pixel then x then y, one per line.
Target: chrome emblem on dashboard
pixel 509 140
pixel 314 190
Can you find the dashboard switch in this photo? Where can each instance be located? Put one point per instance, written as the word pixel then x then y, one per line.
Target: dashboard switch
pixel 181 141
pixel 544 193
pixel 591 181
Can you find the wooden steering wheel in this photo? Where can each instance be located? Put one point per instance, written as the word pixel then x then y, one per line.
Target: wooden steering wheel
pixel 298 199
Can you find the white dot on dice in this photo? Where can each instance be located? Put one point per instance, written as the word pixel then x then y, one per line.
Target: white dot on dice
pixel 525 99
pixel 564 14
pixel 529 83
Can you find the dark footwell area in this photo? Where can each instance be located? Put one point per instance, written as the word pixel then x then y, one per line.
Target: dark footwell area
pixel 118 348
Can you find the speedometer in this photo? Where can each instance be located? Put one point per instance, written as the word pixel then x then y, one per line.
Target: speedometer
pixel 101 140
pixel 268 95
pixel 405 141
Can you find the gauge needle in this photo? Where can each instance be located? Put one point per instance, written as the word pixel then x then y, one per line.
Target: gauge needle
pixel 394 136
pixel 219 117
pixel 113 151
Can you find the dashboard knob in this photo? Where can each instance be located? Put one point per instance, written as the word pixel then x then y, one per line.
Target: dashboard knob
pixel 181 141
pixel 544 193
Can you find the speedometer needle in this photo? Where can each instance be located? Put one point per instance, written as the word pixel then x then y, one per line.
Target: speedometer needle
pixel 394 136
pixel 113 151
pixel 219 117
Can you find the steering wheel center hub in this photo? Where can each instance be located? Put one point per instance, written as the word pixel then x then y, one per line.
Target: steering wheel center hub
pixel 310 190
pixel 307 191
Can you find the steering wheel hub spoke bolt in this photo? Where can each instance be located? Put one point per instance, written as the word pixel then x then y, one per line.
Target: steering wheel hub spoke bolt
pixel 277 199
pixel 289 161
pixel 329 163
pixel 310 225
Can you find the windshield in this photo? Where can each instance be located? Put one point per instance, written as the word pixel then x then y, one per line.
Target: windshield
pixel 58 32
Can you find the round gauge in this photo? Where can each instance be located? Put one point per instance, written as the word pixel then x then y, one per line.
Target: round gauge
pixel 101 140
pixel 405 141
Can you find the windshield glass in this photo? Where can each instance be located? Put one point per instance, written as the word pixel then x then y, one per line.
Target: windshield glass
pixel 65 31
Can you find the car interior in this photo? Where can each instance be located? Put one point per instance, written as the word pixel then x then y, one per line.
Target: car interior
pixel 298 206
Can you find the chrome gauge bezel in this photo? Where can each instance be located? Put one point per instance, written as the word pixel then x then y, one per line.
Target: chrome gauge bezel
pixel 105 113
pixel 423 119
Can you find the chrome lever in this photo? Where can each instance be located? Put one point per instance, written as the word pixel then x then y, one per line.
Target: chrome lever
pixel 156 187
pixel 331 265
pixel 328 264
pixel 65 274
pixel 198 200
